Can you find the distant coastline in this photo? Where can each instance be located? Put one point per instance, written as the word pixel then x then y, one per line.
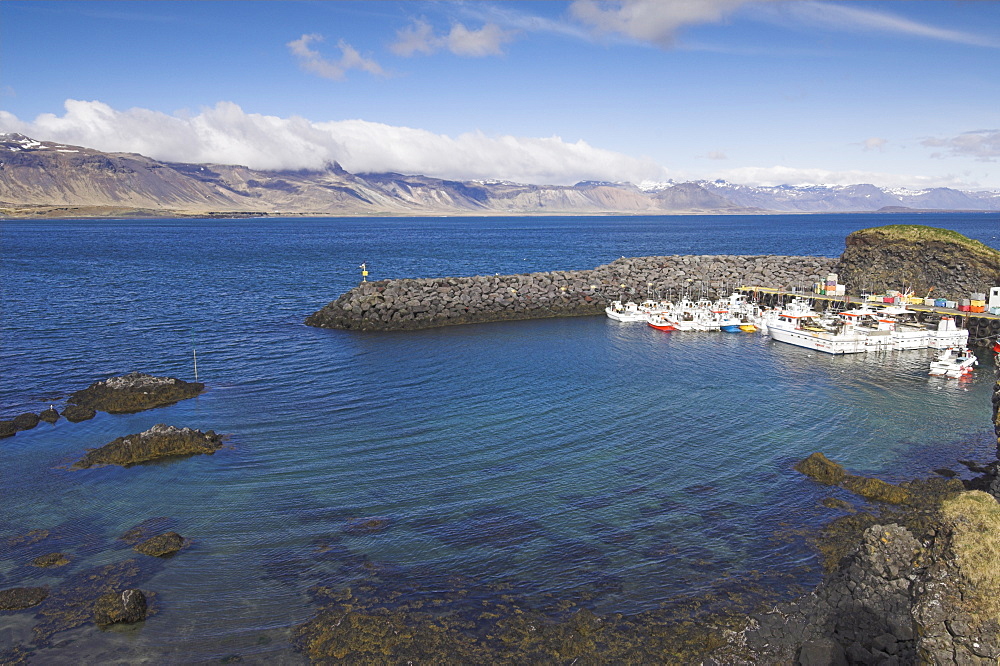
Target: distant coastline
pixel 44 179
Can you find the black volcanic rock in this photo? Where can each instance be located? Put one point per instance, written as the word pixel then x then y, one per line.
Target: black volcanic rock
pixel 134 392
pixel 920 258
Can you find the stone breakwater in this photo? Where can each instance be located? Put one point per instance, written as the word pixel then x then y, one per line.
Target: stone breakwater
pixel 406 304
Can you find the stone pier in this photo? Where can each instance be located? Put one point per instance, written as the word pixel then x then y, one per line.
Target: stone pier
pixel 407 304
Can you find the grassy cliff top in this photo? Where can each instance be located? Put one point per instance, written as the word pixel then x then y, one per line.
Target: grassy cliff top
pixel 918 233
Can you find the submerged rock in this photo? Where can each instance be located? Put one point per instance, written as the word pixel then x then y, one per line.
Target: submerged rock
pixel 126 606
pixel 876 489
pixel 820 468
pixel 50 561
pixel 19 598
pixel 160 441
pixel 77 413
pixel 161 545
pixel 134 392
pixel 7 429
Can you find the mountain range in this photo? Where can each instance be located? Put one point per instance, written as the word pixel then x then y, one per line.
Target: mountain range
pixel 47 179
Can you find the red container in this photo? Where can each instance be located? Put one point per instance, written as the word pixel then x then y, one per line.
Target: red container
pixel 965 308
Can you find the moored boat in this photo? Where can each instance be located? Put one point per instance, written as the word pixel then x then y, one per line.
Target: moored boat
pixel 953 362
pixel 660 323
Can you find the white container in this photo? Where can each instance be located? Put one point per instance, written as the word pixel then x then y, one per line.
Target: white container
pixel 841 290
pixel 977 296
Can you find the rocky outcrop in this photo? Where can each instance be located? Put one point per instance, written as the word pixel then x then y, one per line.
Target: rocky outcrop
pixel 49 415
pixel 134 392
pixel 124 606
pixel 921 259
pixel 428 302
pixel 160 441
pixel 7 429
pixel 77 413
pixel 161 545
pixel 25 421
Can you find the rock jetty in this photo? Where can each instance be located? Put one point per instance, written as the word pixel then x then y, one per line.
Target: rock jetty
pixel 160 441
pixel 134 392
pixel 406 304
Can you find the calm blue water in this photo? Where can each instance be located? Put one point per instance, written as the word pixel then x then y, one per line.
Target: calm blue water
pixel 610 465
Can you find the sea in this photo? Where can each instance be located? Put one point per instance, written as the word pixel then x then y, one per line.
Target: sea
pixel 610 466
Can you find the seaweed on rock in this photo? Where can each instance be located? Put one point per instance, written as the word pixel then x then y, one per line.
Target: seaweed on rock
pixel 160 441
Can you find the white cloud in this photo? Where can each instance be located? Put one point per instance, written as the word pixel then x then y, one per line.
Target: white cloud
pixel 421 38
pixel 226 134
pixel 717 155
pixel 874 143
pixel 846 17
pixel 983 145
pixel 312 61
pixel 654 21
pixel 783 175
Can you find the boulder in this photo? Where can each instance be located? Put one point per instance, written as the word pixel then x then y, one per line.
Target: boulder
pixel 161 545
pixel 160 441
pixel 7 429
pixel 77 413
pixel 49 415
pixel 126 606
pixel 134 392
pixel 25 421
pixel 19 598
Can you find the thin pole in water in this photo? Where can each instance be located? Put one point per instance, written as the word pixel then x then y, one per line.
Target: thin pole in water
pixel 195 364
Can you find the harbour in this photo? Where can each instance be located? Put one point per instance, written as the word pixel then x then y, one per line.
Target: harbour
pixel 458 462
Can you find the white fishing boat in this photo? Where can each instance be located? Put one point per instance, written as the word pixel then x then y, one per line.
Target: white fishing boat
pixel 633 312
pixel 797 324
pixel 954 362
pixel 908 332
pixel 686 315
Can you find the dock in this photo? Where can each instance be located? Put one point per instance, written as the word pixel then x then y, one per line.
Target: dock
pixel 983 326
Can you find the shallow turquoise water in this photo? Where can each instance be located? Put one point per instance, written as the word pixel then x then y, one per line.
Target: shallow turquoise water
pixel 611 465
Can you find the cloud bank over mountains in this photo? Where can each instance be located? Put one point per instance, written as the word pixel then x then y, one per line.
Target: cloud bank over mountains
pixel 226 134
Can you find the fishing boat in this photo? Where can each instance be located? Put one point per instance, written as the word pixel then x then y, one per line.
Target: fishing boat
pixel 631 312
pixel 797 324
pixel 660 322
pixel 908 332
pixel 953 362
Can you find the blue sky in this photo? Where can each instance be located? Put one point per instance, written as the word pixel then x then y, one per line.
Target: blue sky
pixel 900 94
